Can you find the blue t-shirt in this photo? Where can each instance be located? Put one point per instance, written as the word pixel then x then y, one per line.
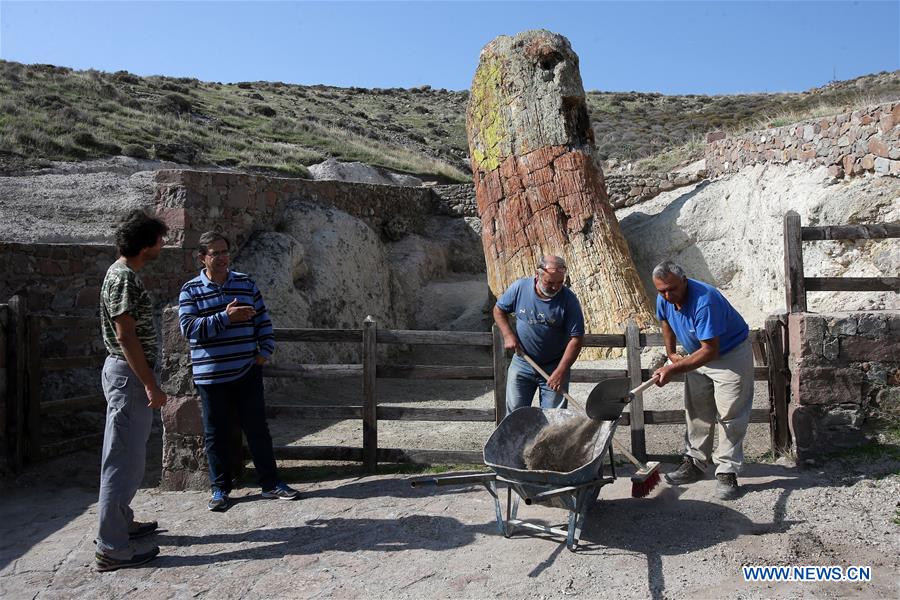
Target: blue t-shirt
pixel 705 314
pixel 544 327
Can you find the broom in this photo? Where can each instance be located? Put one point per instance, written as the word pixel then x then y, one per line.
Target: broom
pixel 647 475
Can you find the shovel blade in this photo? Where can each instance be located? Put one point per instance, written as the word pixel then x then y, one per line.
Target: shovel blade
pixel 608 399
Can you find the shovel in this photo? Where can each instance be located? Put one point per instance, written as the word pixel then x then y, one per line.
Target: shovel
pixel 609 397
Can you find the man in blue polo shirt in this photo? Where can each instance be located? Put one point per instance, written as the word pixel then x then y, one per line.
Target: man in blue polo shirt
pixel 224 318
pixel 549 329
pixel 718 374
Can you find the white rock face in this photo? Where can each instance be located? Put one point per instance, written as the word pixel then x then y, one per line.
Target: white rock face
pixel 729 233
pixel 328 269
pixel 361 173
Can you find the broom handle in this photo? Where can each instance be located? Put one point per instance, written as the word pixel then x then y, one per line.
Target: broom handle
pixel 619 446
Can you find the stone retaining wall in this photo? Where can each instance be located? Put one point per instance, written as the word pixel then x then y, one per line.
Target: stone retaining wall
pixel 845 367
pixel 627 189
pixel 192 202
pixel 866 140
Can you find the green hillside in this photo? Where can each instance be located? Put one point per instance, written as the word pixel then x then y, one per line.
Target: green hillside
pixel 55 113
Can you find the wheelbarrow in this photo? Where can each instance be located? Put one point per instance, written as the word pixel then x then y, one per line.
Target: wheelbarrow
pixel 574 491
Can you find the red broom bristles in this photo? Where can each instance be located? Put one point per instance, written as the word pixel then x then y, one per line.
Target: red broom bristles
pixel 641 486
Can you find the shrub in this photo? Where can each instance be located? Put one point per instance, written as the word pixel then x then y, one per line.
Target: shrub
pixel 174 87
pixel 135 151
pixel 174 103
pixel 264 110
pixel 125 77
pixel 84 138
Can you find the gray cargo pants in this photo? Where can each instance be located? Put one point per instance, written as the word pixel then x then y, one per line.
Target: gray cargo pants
pixel 128 421
pixel 720 393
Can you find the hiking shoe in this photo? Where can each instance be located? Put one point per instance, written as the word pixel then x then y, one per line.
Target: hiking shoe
pixel 282 491
pixel 688 472
pixel 726 486
pixel 107 563
pixel 139 529
pixel 219 501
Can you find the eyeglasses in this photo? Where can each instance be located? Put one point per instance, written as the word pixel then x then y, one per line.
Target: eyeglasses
pixel 219 253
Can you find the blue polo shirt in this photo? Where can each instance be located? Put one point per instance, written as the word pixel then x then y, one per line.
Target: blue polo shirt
pixel 705 314
pixel 544 326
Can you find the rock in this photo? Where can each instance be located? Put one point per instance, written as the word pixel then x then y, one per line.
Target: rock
pixel 361 173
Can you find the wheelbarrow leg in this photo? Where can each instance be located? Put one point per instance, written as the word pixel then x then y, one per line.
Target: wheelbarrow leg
pixel 512 510
pixel 576 517
pixel 502 527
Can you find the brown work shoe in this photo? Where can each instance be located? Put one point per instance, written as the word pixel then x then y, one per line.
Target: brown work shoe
pixel 688 472
pixel 726 486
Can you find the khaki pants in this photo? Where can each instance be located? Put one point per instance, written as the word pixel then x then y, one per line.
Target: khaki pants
pixel 720 393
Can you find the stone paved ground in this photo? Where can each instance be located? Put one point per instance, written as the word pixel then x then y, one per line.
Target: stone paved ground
pixel 375 537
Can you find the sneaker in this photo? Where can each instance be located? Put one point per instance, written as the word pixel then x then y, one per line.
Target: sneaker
pixel 219 501
pixel 282 491
pixel 107 563
pixel 688 472
pixel 726 486
pixel 139 529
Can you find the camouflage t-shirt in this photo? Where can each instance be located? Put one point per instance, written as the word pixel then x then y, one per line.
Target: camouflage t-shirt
pixel 123 292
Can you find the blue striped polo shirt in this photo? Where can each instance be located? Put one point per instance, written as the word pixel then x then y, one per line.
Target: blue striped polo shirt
pixel 222 351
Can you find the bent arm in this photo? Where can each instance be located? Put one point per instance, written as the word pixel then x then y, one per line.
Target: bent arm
pixel 510 339
pixel 195 327
pixel 708 351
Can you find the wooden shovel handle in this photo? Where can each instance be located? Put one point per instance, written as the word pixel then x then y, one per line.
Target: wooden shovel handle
pixel 543 374
pixel 645 385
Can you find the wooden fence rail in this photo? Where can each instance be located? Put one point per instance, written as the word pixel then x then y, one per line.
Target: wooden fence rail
pixel 797 285
pixel 370 371
pixel 25 366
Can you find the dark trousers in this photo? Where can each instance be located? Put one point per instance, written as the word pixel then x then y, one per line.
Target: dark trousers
pixel 242 398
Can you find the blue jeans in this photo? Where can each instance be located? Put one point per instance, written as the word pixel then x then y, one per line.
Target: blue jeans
pixel 244 397
pixel 522 381
pixel 128 422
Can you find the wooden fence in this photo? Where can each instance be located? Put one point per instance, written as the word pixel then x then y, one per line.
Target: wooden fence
pixel 25 366
pixel 767 345
pixel 797 285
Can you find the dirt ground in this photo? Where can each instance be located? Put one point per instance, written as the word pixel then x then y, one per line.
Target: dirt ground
pixel 353 535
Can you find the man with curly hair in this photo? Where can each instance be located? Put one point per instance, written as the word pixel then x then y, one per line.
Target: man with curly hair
pixel 130 385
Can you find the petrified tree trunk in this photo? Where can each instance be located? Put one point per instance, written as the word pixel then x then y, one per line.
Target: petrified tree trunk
pixel 538 188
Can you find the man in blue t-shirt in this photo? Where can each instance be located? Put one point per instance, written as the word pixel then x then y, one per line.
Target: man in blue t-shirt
pixel 549 329
pixel 718 374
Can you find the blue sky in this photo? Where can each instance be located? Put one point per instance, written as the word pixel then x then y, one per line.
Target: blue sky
pixel 671 47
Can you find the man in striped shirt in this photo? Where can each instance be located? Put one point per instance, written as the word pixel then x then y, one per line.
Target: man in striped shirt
pixel 224 318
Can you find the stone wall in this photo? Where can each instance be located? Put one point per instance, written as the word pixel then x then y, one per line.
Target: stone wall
pixel 866 140
pixel 192 202
pixel 65 279
pixel 845 368
pixel 627 189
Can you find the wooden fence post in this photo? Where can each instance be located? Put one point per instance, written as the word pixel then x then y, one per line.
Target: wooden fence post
pixel 4 400
pixel 779 383
pixel 794 286
pixel 370 405
pixel 500 366
pixel 16 381
pixel 633 350
pixel 33 373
